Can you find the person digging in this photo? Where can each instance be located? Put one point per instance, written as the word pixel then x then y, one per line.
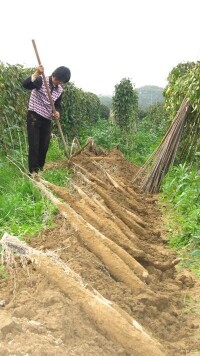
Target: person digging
pixel 39 114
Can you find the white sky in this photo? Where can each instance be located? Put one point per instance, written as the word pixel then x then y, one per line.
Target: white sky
pixel 102 41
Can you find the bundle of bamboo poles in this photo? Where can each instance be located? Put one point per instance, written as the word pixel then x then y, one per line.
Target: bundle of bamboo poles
pixel 164 155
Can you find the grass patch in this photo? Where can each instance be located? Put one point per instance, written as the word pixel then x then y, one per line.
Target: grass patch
pixel 56 151
pixel 23 211
pixel 58 176
pixel 181 198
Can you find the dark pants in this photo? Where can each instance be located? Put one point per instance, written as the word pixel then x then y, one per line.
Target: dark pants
pixel 39 133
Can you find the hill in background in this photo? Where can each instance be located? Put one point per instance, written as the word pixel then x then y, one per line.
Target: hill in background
pixel 147 95
pixel 106 100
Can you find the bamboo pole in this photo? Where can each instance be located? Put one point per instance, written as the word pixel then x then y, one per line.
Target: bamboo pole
pixel 164 155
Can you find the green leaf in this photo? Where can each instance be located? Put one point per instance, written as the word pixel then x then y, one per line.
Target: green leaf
pixel 196 253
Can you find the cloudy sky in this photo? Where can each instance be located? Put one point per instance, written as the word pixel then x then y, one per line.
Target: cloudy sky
pixel 102 41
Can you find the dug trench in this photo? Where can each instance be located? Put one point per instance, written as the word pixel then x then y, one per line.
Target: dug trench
pixel 102 281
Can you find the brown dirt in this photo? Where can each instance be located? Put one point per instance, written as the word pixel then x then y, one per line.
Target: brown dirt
pixel 36 318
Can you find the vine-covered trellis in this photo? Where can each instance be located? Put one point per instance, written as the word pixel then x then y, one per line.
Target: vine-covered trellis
pixel 77 107
pixel 183 100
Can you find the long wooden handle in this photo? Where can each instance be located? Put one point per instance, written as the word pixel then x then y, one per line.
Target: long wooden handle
pixel 51 100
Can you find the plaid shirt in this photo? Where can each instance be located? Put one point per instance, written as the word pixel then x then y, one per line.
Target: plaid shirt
pixel 39 100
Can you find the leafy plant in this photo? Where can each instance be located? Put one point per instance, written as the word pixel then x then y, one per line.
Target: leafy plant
pixel 105 133
pixel 183 82
pixel 13 105
pixel 104 112
pixel 125 104
pixel 78 107
pixel 181 189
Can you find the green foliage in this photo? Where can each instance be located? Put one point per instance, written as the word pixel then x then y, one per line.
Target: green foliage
pixel 125 104
pixel 58 176
pixel 196 252
pixel 105 133
pixel 181 190
pixel 177 87
pixel 13 105
pixel 141 144
pixel 136 146
pixel 192 86
pixel 56 150
pixel 22 208
pixel 141 114
pixel 184 82
pixel 73 110
pixel 93 107
pixel 156 120
pixel 150 131
pixel 104 112
pixel 77 107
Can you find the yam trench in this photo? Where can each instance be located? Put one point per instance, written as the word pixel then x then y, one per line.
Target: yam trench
pixel 112 239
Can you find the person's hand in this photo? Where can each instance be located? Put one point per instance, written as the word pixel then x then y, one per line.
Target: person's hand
pixel 40 69
pixel 38 72
pixel 56 115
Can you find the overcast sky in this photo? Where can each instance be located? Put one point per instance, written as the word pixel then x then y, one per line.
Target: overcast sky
pixel 102 41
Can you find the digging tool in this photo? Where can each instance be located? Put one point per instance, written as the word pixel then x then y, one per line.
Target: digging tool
pixel 51 101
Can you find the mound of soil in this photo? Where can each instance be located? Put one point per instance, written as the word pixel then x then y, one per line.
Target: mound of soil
pixel 110 234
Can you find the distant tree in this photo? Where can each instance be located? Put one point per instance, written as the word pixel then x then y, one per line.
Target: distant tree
pixel 104 112
pixel 125 104
pixel 93 107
